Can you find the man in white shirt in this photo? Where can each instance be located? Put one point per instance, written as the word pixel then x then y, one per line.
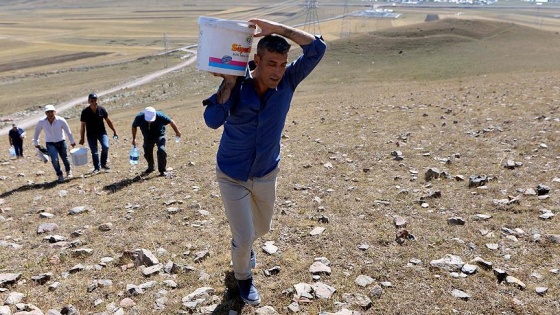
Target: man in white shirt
pixel 55 129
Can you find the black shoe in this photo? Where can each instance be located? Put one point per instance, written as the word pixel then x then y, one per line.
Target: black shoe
pixel 105 167
pixel 248 291
pixel 162 174
pixel 95 171
pixel 149 170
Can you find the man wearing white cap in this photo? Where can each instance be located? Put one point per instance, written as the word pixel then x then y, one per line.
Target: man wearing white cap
pixel 56 130
pixel 152 125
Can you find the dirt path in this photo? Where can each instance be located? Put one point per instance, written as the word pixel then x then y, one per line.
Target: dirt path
pixel 32 120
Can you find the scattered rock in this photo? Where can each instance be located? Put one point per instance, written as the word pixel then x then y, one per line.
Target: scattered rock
pixel 105 227
pixel 317 231
pixel 477 180
pixel 500 274
pixel 432 173
pixel 542 190
pixel 77 210
pixel 270 248
pixel 357 299
pixel 515 281
pixel 363 280
pixel 272 271
pixel 460 294
pixel 376 292
pixel 456 221
pixel 541 290
pixel 483 263
pixel 145 257
pixel 266 310
pixel 42 278
pixel 319 268
pixel 322 291
pixel 303 290
pixel 201 255
pixel 448 262
pixel 46 227
pixel 399 221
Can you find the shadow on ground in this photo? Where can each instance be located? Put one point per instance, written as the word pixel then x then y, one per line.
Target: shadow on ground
pixel 45 185
pixel 114 187
pixel 231 300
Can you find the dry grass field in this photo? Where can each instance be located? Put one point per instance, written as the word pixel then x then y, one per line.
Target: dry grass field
pixel 464 94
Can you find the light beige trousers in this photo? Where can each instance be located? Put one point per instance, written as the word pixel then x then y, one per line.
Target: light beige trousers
pixel 249 206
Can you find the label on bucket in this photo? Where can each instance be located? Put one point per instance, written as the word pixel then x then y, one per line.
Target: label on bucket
pixel 226 62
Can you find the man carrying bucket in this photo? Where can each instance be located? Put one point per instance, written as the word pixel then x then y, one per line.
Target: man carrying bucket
pixel 253 111
pixel 56 129
pixel 16 136
pixel 92 122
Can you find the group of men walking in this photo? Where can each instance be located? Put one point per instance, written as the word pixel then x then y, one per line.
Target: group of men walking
pixel 252 110
pixel 93 118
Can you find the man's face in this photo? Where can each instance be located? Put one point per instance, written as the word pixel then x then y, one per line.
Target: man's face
pixel 49 113
pixel 270 68
pixel 92 101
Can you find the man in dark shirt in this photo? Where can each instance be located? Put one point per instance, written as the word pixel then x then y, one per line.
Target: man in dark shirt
pixel 92 122
pixel 152 125
pixel 16 136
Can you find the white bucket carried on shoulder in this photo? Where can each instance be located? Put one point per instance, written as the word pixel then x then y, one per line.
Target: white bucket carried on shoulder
pixel 79 156
pixel 224 46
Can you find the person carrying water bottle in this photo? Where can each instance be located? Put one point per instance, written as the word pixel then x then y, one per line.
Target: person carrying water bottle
pixel 92 121
pixel 16 136
pixel 152 125
pixel 252 110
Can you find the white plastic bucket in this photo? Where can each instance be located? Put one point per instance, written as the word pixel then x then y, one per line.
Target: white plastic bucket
pixel 224 46
pixel 42 156
pixel 79 156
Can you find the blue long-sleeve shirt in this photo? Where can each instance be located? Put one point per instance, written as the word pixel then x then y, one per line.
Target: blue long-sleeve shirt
pixel 250 143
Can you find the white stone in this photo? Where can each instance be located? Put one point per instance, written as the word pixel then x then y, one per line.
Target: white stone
pixel 317 231
pixel 460 294
pixel 492 246
pixel 363 280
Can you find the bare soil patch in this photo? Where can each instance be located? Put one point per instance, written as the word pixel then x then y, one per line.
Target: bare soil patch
pixel 49 61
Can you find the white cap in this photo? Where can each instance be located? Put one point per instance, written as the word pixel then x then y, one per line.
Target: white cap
pixel 49 107
pixel 150 114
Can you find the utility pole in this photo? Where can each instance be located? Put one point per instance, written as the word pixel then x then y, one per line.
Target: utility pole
pixel 345 27
pixel 311 24
pixel 165 48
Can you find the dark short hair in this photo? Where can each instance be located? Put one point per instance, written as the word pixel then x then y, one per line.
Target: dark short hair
pixel 273 43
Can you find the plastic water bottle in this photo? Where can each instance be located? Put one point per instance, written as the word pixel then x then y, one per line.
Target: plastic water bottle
pixel 115 137
pixel 134 155
pixel 177 139
pixel 12 152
